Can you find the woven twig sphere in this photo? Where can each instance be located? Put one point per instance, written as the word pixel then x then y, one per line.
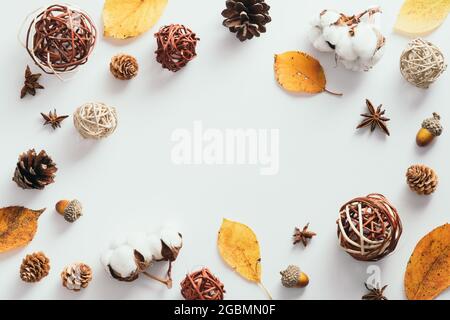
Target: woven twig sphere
pixel 368 227
pixel 61 38
pixel 422 63
pixel 202 285
pixel 95 120
pixel 176 46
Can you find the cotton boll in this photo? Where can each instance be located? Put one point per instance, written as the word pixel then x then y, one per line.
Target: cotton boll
pixel 138 241
pixel 321 45
pixel 364 41
pixel 106 258
pixel 315 21
pixel 171 238
pixel 155 246
pixel 344 49
pixel 172 242
pixel 329 17
pixel 314 33
pixel 122 261
pixel 333 34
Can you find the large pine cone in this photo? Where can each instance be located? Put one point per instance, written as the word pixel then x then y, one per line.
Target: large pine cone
pixel 34 171
pixel 76 276
pixel 124 67
pixel 34 267
pixel 246 18
pixel 422 179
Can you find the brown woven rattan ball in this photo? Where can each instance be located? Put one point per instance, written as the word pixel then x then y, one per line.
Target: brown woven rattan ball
pixel 176 46
pixel 61 38
pixel 368 227
pixel 202 285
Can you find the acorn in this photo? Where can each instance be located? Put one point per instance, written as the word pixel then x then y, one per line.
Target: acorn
pixel 431 127
pixel 293 277
pixel 70 210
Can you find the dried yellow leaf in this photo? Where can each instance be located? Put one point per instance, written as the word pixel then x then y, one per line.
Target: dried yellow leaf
pixel 420 17
pixel 428 270
pixel 129 18
pixel 18 226
pixel 239 247
pixel 297 71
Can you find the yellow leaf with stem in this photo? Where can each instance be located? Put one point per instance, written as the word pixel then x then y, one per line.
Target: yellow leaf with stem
pixel 239 247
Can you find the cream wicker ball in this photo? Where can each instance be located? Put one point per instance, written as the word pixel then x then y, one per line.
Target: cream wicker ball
pixel 422 63
pixel 95 120
pixel 368 228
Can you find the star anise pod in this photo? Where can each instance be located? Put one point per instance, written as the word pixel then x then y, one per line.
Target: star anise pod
pixel 53 119
pixel 375 293
pixel 31 83
pixel 303 235
pixel 374 118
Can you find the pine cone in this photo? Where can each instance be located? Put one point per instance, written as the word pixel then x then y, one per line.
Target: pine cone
pixel 76 276
pixel 34 267
pixel 246 18
pixel 421 179
pixel 34 171
pixel 433 125
pixel 124 67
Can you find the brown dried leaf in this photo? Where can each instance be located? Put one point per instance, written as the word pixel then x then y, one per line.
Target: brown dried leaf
pixel 428 270
pixel 18 226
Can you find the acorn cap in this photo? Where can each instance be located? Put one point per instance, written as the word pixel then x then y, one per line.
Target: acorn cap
pixel 71 210
pixel 290 276
pixel 433 125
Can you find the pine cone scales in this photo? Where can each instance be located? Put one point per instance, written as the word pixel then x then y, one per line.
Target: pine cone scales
pixel 124 67
pixel 76 276
pixel 246 18
pixel 34 171
pixel 422 179
pixel 34 267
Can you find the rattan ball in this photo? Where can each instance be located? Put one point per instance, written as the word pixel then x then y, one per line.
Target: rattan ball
pixel 369 228
pixel 422 63
pixel 95 120
pixel 202 285
pixel 61 38
pixel 176 46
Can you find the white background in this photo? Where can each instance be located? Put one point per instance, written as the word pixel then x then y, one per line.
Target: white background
pixel 128 182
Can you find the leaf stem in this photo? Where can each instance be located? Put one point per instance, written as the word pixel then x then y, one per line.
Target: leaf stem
pixel 260 284
pixel 333 93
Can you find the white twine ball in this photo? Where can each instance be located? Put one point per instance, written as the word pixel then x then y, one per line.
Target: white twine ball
pixel 95 120
pixel 422 63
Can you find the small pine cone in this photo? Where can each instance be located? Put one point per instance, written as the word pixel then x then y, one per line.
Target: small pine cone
pixel 422 179
pixel 73 211
pixel 246 18
pixel 433 125
pixel 34 171
pixel 124 67
pixel 76 276
pixel 290 276
pixel 34 267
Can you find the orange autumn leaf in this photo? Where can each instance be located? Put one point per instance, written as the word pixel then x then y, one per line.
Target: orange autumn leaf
pixel 428 270
pixel 18 226
pixel 297 71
